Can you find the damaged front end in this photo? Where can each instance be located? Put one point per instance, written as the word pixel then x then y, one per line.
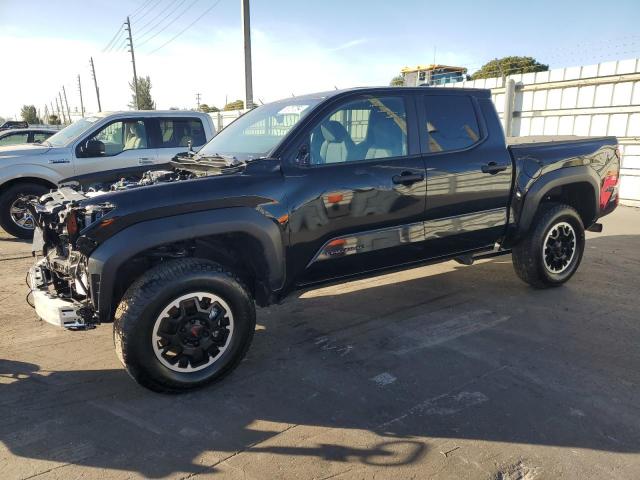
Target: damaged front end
pixel 60 286
pixel 63 291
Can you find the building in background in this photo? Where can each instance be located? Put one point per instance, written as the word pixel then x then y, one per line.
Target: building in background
pixel 433 75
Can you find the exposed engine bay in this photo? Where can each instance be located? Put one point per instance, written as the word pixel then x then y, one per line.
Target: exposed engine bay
pixel 60 216
pixel 150 177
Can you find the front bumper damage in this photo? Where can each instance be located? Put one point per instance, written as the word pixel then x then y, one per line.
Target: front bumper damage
pixel 60 291
pixel 53 307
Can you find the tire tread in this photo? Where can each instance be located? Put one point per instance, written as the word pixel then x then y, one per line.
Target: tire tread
pixel 142 291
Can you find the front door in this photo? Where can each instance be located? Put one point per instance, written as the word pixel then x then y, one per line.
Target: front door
pixel 468 172
pixel 358 192
pixel 125 151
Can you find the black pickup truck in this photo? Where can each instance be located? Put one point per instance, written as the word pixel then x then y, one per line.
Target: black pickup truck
pixel 300 192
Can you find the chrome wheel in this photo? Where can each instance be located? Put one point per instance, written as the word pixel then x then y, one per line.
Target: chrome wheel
pixel 559 247
pixel 192 332
pixel 20 215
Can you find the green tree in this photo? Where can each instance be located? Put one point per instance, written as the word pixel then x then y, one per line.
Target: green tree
pixel 29 114
pixel 237 105
pixel 208 109
pixel 54 120
pixel 145 101
pixel 397 81
pixel 509 66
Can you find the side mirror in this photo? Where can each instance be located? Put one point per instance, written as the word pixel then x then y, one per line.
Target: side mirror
pixel 304 156
pixel 92 148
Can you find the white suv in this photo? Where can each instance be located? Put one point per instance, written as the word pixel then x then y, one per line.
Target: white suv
pixel 104 147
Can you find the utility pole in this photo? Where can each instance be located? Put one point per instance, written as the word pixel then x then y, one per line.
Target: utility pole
pixel 45 119
pixel 198 100
pixel 67 103
pixel 95 82
pixel 61 108
pixel 133 60
pixel 81 102
pixel 53 110
pixel 248 78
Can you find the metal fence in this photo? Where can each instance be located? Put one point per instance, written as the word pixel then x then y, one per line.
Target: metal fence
pixel 223 119
pixel 590 100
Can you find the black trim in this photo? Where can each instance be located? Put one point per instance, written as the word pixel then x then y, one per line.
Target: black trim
pixel 551 180
pixel 107 259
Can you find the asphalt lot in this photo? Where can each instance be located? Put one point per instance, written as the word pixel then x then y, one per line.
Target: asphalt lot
pixel 444 371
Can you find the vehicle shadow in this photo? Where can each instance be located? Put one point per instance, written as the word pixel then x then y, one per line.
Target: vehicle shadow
pixel 377 372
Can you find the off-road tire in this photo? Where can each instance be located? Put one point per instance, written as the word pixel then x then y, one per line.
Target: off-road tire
pixel 145 299
pixel 528 255
pixel 7 198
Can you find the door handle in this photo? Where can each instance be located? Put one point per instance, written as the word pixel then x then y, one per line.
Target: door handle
pixel 407 178
pixel 493 168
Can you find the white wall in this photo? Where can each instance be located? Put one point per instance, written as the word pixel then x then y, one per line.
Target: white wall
pixel 589 100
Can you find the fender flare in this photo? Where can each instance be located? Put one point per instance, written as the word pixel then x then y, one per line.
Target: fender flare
pixel 105 261
pixel 551 180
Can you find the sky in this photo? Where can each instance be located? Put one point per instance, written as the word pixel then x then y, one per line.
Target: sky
pixel 298 46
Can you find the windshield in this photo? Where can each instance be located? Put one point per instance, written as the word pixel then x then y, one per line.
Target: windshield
pixel 68 134
pixel 259 131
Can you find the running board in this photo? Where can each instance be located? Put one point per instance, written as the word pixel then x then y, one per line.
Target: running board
pixel 469 259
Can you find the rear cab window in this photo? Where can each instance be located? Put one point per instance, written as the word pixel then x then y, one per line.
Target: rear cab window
pixel 450 123
pixel 180 132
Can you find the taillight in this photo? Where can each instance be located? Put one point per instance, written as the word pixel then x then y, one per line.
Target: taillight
pixel 610 183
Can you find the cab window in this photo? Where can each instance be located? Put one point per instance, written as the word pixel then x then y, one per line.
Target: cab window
pixel 451 123
pixel 365 129
pixel 180 132
pixel 39 137
pixel 14 139
pixel 120 136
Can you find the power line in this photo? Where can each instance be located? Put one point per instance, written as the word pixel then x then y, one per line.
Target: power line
pixel 170 23
pixel 175 8
pixel 123 44
pixel 137 10
pixel 186 28
pixel 153 19
pixel 150 9
pixel 112 41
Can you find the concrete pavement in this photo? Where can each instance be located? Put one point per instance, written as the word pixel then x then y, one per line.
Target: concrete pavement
pixel 441 372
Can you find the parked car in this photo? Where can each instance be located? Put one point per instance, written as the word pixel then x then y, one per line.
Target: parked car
pixel 10 124
pixel 110 145
pixel 302 192
pixel 19 136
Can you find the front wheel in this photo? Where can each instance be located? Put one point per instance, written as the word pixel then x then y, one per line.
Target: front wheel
pixel 553 248
pixel 183 324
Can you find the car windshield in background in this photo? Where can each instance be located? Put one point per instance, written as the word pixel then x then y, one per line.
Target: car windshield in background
pixel 259 131
pixel 68 134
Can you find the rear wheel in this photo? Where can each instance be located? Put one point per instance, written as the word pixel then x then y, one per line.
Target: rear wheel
pixel 15 219
pixel 553 248
pixel 183 324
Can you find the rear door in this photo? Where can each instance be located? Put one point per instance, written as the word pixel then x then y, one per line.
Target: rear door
pixel 357 193
pixel 468 171
pixel 127 151
pixel 173 135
